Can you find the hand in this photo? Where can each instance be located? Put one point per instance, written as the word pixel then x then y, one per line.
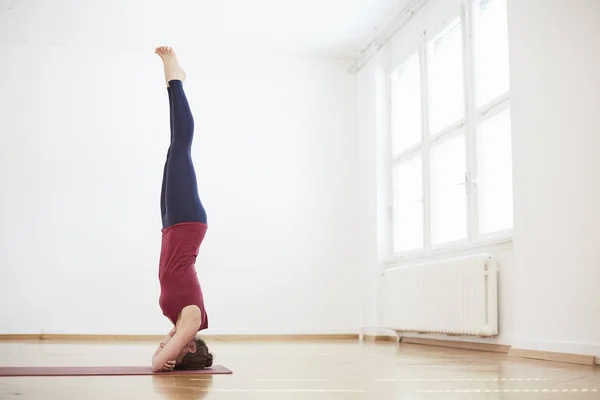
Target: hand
pixel 169 366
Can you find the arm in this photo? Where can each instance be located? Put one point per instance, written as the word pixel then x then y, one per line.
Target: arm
pixel 188 327
pixel 164 341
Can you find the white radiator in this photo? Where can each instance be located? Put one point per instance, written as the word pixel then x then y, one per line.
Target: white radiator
pixel 457 296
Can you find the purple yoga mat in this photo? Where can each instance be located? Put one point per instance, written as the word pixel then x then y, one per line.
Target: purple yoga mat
pixel 97 371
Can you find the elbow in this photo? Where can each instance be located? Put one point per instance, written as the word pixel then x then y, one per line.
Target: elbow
pixel 156 367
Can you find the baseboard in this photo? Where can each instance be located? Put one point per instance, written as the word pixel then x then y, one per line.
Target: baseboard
pixel 78 337
pixel 505 349
pixel 223 337
pixel 23 337
pixel 283 337
pixel 489 347
pixel 553 356
pixel 377 334
pixel 380 338
pixel 555 346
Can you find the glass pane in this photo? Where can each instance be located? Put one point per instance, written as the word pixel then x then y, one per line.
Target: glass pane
pixel 446 88
pixel 491 50
pixel 406 105
pixel 408 205
pixel 448 191
pixel 495 174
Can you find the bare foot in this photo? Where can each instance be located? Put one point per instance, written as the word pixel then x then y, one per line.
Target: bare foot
pixel 173 70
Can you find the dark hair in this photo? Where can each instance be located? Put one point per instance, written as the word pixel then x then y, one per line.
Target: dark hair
pixel 201 359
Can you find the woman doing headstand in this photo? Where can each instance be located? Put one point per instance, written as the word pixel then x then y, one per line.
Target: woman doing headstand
pixel 184 226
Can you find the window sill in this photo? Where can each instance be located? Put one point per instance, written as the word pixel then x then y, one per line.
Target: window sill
pixel 490 246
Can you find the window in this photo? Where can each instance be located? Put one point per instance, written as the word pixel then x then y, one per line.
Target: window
pixel 490 50
pixel 408 220
pixel 406 126
pixel 448 194
pixel 445 78
pixel 450 134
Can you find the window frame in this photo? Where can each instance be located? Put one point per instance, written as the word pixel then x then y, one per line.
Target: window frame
pixel 468 125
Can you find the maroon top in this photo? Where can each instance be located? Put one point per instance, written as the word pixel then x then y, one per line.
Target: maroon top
pixel 179 286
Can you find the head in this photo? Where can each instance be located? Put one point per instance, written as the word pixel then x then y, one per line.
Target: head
pixel 195 355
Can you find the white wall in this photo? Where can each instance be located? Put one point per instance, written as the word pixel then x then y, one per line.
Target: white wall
pixel 548 294
pixel 84 134
pixel 367 181
pixel 556 141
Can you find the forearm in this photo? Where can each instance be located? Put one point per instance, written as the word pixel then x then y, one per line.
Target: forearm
pixel 158 349
pixel 169 335
pixel 164 341
pixel 156 365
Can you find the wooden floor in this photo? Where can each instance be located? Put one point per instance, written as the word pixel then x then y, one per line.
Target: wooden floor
pixel 300 370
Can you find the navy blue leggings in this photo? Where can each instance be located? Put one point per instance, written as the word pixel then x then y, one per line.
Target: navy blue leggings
pixel 179 200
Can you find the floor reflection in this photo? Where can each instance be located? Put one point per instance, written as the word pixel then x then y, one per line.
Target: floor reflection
pixel 188 387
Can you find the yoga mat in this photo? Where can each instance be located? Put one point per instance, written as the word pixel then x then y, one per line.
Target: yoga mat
pixel 97 371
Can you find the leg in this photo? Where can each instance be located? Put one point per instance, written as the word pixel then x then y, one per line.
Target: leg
pixel 163 190
pixel 163 204
pixel 181 200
